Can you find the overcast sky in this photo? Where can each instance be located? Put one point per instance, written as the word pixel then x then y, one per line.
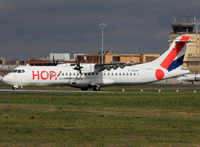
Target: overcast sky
pixel 35 28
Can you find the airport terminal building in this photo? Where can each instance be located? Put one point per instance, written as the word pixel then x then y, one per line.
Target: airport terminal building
pixel 116 58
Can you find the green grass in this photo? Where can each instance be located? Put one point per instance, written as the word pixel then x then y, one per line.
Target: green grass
pixel 100 119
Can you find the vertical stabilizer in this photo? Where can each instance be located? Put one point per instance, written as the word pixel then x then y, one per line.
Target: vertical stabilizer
pixel 173 57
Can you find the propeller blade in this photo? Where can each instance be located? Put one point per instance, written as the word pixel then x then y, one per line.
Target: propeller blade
pixel 78 66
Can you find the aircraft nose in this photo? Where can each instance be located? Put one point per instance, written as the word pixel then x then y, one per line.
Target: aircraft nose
pixel 5 79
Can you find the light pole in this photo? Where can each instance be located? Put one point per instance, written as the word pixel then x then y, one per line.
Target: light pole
pixel 102 25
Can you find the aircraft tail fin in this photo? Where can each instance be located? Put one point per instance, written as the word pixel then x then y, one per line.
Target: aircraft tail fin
pixel 173 57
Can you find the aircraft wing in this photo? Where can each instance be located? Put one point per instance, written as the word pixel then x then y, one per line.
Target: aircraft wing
pixel 89 68
pixel 101 67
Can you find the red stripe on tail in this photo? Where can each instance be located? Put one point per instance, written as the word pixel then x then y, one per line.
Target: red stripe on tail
pixel 184 38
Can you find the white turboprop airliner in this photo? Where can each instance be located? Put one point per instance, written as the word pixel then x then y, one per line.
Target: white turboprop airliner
pixel 189 78
pixel 95 76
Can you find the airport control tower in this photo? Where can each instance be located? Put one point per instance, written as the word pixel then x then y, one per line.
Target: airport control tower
pixel 189 28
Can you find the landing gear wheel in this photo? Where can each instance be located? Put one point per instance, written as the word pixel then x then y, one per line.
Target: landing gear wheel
pixel 96 88
pixel 14 87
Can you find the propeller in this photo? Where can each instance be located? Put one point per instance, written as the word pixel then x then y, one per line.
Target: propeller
pixel 122 66
pixel 78 67
pixel 195 77
pixel 54 62
pixel 115 67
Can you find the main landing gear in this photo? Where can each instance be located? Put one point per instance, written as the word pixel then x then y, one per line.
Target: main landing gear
pixel 96 88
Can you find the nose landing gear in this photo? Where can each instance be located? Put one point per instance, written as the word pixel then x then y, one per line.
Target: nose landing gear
pixel 15 87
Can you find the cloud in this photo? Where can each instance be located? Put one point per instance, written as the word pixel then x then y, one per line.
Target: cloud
pixel 36 28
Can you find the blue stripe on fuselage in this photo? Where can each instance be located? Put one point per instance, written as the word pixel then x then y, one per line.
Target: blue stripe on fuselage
pixel 176 63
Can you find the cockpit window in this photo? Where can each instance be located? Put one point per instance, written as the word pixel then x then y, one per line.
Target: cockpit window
pixel 18 71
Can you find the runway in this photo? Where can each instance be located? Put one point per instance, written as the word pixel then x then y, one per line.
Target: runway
pixel 172 88
pixel 151 87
